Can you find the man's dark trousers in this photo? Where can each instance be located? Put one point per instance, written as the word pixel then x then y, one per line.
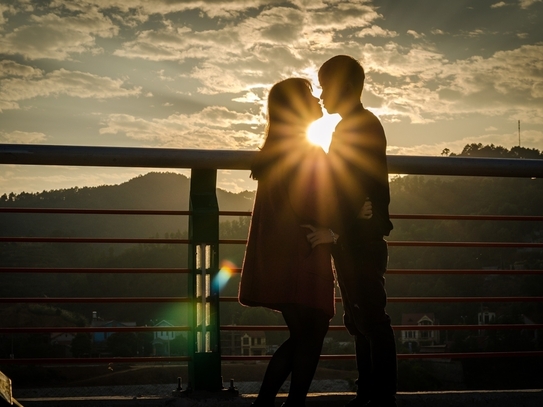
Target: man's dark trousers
pixel 360 267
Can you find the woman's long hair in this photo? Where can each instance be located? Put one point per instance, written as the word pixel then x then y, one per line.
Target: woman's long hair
pixel 289 115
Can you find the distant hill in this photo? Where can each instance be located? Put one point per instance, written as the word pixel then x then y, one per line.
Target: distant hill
pixel 157 191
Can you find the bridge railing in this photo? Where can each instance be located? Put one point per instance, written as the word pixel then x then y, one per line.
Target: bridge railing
pixel 203 328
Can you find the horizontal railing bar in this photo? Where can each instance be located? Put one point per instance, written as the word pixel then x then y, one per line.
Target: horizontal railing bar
pixel 465 299
pixel 460 271
pixel 430 217
pixel 245 328
pixel 422 243
pixel 463 244
pixel 249 213
pixel 84 270
pixel 63 361
pixel 34 154
pixel 125 157
pixel 472 355
pixel 395 327
pixel 440 299
pixel 34 300
pixel 94 211
pixel 90 300
pixel 94 270
pixel 239 358
pixel 235 213
pixel 91 240
pixel 86 329
pixel 443 271
pixel 467 217
pixel 243 241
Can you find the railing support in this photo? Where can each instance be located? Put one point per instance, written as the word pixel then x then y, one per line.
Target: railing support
pixel 204 337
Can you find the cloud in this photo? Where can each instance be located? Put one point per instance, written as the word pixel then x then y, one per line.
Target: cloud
pixel 32 83
pixel 12 68
pixel 223 9
pixel 505 72
pixel 258 49
pixel 376 31
pixel 22 137
pixel 415 34
pixel 4 8
pixel 499 4
pixel 57 37
pixel 214 127
pixel 419 83
pixel 527 3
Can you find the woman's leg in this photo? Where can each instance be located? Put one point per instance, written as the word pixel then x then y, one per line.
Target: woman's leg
pixel 277 372
pixel 308 327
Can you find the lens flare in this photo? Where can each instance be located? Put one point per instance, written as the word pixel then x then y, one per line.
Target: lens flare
pixel 224 274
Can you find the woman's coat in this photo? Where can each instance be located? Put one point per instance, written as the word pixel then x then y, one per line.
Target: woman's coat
pixel 280 267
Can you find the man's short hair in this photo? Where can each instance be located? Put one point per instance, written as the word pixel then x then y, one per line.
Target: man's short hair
pixel 342 70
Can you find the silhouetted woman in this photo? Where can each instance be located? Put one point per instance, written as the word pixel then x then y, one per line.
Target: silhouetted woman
pixel 281 270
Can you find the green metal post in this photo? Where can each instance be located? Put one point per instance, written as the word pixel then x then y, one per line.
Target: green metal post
pixel 204 337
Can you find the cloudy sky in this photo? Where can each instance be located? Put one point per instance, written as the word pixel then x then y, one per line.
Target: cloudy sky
pixel 194 74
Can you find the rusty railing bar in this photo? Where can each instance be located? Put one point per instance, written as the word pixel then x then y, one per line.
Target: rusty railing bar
pixel 249 213
pixel 59 361
pixel 449 355
pixel 91 300
pixel 397 243
pixel 243 241
pixel 444 271
pixel 85 329
pixel 395 327
pixel 97 270
pixel 84 211
pixel 91 240
pixel 239 358
pixel 439 299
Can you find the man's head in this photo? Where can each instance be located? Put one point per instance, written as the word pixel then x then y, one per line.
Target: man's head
pixel 342 80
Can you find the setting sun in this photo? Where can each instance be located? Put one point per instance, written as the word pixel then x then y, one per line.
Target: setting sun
pixel 320 131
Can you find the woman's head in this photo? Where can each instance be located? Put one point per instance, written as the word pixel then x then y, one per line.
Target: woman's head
pixel 291 102
pixel 291 109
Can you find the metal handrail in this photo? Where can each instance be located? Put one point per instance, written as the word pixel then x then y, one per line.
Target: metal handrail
pixel 32 154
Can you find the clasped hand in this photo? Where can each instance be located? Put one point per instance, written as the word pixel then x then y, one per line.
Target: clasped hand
pixel 326 236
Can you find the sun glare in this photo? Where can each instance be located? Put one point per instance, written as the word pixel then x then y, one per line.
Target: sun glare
pixel 224 274
pixel 320 131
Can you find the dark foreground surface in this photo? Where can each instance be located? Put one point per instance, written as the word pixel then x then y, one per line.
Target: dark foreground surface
pixel 509 398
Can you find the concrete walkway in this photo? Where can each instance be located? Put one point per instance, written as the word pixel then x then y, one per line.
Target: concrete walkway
pixel 161 396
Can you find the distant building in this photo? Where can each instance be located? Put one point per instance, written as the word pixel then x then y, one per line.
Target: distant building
pixel 231 342
pixel 485 317
pixel 253 343
pixel 422 338
pixel 63 340
pixel 162 339
pixel 99 338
